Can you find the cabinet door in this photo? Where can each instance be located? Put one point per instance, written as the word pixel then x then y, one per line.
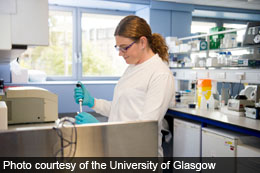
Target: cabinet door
pixel 5 32
pixel 30 23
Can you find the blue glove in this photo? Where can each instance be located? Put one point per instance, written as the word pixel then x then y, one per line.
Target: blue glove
pixel 82 93
pixel 84 118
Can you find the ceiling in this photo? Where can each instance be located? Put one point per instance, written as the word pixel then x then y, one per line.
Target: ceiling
pixel 101 4
pixel 122 5
pixel 242 4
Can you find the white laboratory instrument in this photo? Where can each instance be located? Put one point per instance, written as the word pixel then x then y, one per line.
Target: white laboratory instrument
pixel 220 143
pixel 3 116
pixel 186 139
pixel 252 112
pixel 239 105
pixel 30 105
pixel 247 97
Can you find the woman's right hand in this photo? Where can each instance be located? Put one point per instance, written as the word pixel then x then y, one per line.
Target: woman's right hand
pixel 82 93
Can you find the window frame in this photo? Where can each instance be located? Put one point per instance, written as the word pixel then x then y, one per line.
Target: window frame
pixel 94 11
pixel 73 77
pixel 218 21
pixel 77 42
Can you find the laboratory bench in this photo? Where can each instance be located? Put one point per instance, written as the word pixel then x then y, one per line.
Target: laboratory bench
pixel 216 118
pixel 117 139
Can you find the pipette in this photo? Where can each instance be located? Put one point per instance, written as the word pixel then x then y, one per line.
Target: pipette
pixel 80 100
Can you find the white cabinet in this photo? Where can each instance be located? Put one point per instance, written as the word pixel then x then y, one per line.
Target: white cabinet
pixel 219 142
pixel 30 23
pixel 186 139
pixel 23 22
pixel 7 7
pixel 5 32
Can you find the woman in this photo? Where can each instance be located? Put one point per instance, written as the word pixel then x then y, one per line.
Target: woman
pixel 146 89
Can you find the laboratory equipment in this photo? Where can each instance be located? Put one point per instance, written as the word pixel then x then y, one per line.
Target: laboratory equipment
pixel 80 100
pixel 81 92
pixel 247 97
pixel 252 38
pixel 64 121
pixel 30 105
pixel 252 112
pixel 252 34
pixel 185 97
pixel 1 87
pixel 3 116
pixel 212 62
pixel 204 92
pixel 239 104
pixel 186 139
pixel 206 89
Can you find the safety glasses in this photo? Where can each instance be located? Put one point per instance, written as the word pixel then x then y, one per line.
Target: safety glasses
pixel 124 49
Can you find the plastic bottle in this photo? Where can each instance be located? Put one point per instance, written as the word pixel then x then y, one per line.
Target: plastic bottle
pixel 211 103
pixel 219 57
pixel 223 58
pixel 228 59
pixel 204 103
pixel 204 92
pixel 234 42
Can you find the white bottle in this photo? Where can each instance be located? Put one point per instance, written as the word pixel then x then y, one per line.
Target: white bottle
pixel 228 59
pixel 211 103
pixel 219 58
pixel 203 103
pixel 234 42
pixel 223 58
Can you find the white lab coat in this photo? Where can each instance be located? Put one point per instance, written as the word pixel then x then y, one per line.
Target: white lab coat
pixel 144 92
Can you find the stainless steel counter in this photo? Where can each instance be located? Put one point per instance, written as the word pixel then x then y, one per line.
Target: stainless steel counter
pixel 131 139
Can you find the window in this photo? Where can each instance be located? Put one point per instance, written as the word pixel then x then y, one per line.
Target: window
pixel 74 32
pixel 98 55
pixel 55 59
pixel 240 33
pixel 201 27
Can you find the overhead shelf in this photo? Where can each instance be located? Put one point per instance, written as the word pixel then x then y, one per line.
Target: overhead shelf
pixel 238 73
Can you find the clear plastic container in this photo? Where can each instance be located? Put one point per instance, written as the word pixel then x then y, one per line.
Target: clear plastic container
pixel 234 60
pixel 234 42
pixel 219 57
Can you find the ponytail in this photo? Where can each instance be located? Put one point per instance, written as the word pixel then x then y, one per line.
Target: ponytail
pixel 158 45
